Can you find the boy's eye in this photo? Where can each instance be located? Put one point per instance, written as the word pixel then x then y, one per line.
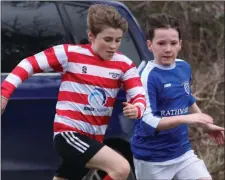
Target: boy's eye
pixel 161 43
pixel 108 39
pixel 118 40
pixel 173 43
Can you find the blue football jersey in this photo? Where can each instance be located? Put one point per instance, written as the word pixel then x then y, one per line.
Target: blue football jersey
pixel 168 93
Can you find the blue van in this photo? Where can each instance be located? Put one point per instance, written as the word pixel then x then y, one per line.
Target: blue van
pixel 29 27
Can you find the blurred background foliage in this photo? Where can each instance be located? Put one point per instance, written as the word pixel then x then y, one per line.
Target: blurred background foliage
pixel 202 27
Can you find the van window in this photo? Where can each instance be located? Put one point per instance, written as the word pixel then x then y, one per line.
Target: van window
pixel 78 17
pixel 28 28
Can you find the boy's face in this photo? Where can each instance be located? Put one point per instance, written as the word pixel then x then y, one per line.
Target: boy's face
pixel 107 42
pixel 165 46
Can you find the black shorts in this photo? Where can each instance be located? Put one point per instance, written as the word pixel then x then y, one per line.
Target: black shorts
pixel 75 150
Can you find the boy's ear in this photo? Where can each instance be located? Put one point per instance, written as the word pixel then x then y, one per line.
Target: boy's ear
pixel 91 36
pixel 149 45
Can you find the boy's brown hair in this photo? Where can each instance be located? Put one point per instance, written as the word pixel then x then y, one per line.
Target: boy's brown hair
pixel 161 20
pixel 101 16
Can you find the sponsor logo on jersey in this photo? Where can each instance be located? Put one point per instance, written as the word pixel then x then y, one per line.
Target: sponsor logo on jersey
pixel 174 112
pixel 97 99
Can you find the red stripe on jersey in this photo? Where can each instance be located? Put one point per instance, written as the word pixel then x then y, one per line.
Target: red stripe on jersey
pixel 84 59
pixel 133 100
pixel 7 89
pixel 59 127
pixel 110 102
pixel 21 72
pixel 73 97
pixel 81 98
pixel 140 101
pixel 33 62
pixel 91 80
pixel 75 115
pixel 131 83
pixel 52 60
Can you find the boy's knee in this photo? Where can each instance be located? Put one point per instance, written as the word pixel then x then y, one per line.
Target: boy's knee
pixel 123 170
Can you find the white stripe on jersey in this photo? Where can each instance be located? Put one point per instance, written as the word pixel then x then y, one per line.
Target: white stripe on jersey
pixel 67 105
pixel 134 92
pixel 72 142
pixel 80 50
pixel 84 89
pixel 26 65
pixel 138 99
pixel 122 58
pixel 81 125
pixel 14 79
pixel 43 62
pixel 61 56
pixel 148 117
pixel 131 73
pixel 93 70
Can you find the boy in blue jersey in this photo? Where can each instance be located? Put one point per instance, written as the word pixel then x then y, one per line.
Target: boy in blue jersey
pixel 160 142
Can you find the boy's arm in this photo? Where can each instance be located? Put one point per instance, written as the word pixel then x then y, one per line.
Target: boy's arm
pixel 54 58
pixel 164 123
pixel 207 127
pixel 195 117
pixel 174 121
pixel 136 103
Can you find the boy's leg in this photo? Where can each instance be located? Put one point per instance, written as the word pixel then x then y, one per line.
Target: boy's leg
pixel 79 152
pixel 111 162
pixel 151 170
pixel 192 168
pixel 75 150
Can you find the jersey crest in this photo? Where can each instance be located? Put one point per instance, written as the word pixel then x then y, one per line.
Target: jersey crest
pixel 186 87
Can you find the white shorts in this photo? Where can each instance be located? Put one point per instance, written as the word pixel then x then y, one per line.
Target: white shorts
pixel 186 167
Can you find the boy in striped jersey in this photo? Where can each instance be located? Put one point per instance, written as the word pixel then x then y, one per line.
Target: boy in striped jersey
pixel 91 77
pixel 160 143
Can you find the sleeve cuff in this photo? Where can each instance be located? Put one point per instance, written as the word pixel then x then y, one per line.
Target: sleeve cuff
pixel 139 112
pixel 141 109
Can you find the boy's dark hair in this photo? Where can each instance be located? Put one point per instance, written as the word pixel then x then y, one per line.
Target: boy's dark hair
pixel 102 15
pixel 160 20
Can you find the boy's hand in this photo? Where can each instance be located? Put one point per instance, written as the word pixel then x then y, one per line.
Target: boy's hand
pixel 215 132
pixel 4 102
pixel 130 110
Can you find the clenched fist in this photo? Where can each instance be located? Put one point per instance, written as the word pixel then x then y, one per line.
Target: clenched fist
pixel 130 110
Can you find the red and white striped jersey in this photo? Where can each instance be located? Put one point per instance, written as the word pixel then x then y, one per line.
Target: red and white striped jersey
pixel 88 87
